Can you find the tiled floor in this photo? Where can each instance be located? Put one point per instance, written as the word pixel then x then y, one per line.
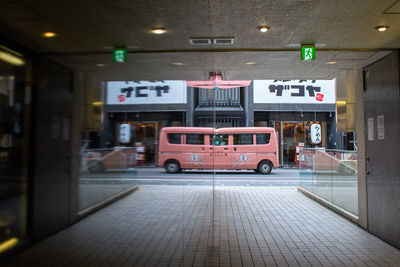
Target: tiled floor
pixel 175 226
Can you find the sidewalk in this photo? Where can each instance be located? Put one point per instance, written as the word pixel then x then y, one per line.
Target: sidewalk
pixel 175 226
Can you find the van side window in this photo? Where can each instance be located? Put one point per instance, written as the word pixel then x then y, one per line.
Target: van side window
pixel 195 139
pixel 243 139
pixel 221 139
pixel 174 138
pixel 263 139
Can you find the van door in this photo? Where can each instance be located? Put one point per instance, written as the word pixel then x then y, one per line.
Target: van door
pixel 222 151
pixel 194 152
pixel 243 151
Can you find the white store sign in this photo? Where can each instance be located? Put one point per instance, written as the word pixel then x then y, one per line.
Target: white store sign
pixel 146 92
pixel 294 91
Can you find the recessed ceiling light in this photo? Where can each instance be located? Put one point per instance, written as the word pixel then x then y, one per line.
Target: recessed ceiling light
pixel 263 28
pixel 331 62
pixel 101 65
pixel 381 28
pixel 49 34
pixel 178 64
pixel 251 63
pixel 159 30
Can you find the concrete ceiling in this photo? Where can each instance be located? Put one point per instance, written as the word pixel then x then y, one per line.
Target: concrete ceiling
pixel 342 30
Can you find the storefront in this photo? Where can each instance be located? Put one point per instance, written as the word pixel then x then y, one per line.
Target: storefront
pixel 291 107
pixel 146 106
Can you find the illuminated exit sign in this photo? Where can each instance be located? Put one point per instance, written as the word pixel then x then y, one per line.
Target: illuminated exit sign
pixel 308 52
pixel 119 55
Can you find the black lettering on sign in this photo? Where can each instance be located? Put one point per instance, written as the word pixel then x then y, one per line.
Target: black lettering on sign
pixel 276 88
pixel 311 90
pixel 139 90
pixel 160 89
pixel 127 90
pixel 300 88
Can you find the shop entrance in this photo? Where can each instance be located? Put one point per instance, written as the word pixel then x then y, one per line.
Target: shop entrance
pixel 145 136
pixel 290 135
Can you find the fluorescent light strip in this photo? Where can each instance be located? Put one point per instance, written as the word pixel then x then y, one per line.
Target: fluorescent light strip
pixel 10 58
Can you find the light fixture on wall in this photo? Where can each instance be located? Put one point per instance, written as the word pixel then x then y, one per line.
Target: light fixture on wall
pixel 301 114
pixel 10 56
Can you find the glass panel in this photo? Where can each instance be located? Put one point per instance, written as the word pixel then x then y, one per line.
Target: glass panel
pixel 174 138
pixel 263 139
pixel 14 143
pixel 332 175
pixel 195 139
pixel 221 140
pixel 243 139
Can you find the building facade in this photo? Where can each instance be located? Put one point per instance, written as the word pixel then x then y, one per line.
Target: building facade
pixel 290 106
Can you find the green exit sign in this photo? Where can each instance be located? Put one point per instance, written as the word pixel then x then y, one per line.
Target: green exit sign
pixel 308 52
pixel 119 55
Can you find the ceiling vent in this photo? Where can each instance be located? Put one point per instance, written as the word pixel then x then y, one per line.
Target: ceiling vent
pixel 223 40
pixel 200 41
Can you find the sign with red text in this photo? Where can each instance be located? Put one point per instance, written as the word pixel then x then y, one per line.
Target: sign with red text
pixel 146 92
pixel 294 91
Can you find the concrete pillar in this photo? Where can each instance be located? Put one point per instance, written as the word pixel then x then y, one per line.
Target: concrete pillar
pixel 76 138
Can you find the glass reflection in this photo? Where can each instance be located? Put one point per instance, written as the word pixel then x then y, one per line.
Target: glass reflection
pixel 14 134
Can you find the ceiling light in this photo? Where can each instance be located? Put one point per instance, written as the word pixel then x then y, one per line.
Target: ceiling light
pixel 381 28
pixel 331 62
pixel 49 34
pixel 178 64
pixel 250 63
pixel 100 65
pixel 263 28
pixel 159 30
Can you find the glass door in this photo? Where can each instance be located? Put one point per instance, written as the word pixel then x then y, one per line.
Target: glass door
pixel 292 135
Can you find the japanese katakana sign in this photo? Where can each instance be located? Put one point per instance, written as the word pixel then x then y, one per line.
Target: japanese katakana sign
pixel 294 91
pixel 146 92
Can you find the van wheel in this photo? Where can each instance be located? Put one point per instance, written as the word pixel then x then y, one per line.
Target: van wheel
pixel 264 167
pixel 172 166
pixel 96 166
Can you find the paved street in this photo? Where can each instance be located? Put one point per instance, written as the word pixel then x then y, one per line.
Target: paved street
pixel 158 176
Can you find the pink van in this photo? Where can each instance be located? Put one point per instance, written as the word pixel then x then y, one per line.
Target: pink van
pixel 251 148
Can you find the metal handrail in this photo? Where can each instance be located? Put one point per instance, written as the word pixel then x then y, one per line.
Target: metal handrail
pixel 330 150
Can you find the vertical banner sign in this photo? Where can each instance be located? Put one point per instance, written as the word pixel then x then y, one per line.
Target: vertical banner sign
pixel 308 52
pixel 124 133
pixel 316 133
